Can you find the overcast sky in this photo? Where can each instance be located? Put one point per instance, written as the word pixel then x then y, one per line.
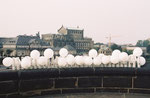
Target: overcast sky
pixel 126 20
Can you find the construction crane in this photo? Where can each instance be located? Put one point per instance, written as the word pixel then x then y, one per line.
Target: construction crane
pixel 109 39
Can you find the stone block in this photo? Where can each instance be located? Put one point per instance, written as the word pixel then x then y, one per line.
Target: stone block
pixel 142 82
pixel 65 83
pixel 3 96
pixel 123 82
pixel 90 82
pixel 8 75
pixel 143 72
pixel 8 87
pixel 114 71
pixel 35 84
pixel 39 73
pixel 76 72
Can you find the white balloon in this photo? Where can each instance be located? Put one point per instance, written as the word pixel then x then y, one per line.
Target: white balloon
pixel 48 53
pixel 92 53
pixel 8 61
pixel 101 55
pixel 42 60
pixel 105 59
pixel 17 61
pixel 123 56
pixel 35 54
pixel 70 59
pixel 137 51
pixel 79 60
pixel 33 62
pixel 114 59
pixel 142 61
pixel 27 57
pixel 97 60
pixel 116 53
pixel 63 52
pixel 88 61
pixel 62 62
pixel 25 62
pixel 132 58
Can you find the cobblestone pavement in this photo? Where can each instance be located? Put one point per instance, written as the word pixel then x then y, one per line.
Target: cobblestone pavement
pixel 96 95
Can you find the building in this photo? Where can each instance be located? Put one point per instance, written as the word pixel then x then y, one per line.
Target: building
pixel 22 45
pixel 58 40
pixel 2 41
pixel 70 36
pixel 75 33
pixel 105 50
pixel 83 45
pixel 97 46
pixel 148 39
pixel 126 45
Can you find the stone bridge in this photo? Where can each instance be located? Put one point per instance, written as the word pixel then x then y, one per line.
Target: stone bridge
pixel 39 82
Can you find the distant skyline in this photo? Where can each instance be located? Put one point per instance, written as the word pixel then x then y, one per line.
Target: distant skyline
pixel 126 20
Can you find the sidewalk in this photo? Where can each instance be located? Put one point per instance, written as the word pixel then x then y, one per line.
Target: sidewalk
pixel 96 95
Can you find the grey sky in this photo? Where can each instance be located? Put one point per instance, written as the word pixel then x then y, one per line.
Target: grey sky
pixel 126 20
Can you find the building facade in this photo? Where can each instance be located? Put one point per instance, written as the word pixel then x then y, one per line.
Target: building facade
pixel 22 45
pixel 105 50
pixel 69 36
pixel 2 41
pixel 58 40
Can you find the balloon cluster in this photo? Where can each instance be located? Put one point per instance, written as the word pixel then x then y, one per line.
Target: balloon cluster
pixel 33 61
pixel 117 59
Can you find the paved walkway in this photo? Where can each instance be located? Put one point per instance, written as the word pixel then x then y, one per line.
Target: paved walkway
pixel 97 95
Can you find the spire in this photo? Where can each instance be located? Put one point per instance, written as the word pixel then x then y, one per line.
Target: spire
pixel 38 34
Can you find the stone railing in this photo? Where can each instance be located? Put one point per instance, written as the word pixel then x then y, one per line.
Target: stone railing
pixel 25 83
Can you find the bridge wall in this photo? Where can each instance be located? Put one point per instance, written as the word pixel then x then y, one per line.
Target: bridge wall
pixel 37 82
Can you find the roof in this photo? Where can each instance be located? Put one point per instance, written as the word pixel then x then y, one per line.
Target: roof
pixel 70 28
pixel 25 40
pixel 73 28
pixel 3 39
pixel 132 48
pixel 68 47
pixel 104 47
pixel 56 48
pixel 98 44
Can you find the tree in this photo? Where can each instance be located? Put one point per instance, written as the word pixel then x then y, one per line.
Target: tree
pixel 148 49
pixel 115 46
pixel 1 52
pixel 143 43
pixel 96 48
pixel 146 43
pixel 8 52
pixel 127 51
pixel 139 43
